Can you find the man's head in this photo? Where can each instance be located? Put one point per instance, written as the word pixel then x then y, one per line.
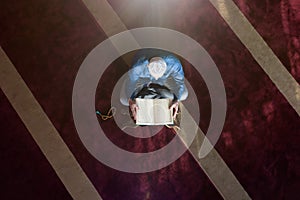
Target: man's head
pixel 157 67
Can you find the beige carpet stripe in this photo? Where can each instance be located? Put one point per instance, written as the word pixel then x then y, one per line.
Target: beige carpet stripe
pixel 213 165
pixel 107 19
pixel 261 52
pixel 44 133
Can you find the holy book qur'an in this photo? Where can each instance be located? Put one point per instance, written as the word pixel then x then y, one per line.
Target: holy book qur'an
pixel 154 112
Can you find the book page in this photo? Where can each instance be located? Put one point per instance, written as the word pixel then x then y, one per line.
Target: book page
pixel 154 112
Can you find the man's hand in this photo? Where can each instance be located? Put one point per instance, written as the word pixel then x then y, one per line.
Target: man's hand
pixel 174 107
pixel 133 107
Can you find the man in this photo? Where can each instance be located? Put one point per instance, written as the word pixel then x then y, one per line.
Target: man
pixel 155 74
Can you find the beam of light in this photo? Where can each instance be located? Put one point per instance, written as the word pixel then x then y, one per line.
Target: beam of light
pixel 213 165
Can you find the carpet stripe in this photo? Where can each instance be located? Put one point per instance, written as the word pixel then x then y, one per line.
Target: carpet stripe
pixel 261 52
pixel 44 133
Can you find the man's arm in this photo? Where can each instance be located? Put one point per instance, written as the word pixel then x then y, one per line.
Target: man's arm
pixel 132 86
pixel 178 75
pixel 132 83
pixel 134 75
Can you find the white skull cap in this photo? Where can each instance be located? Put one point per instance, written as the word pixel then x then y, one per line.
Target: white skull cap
pixel 157 67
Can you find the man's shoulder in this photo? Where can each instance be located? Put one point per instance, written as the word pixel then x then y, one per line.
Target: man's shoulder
pixel 173 63
pixel 140 63
pixel 171 59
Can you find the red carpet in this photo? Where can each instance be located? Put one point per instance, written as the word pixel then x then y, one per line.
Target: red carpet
pixel 47 42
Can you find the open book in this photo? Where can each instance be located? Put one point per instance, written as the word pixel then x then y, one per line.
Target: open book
pixel 154 112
